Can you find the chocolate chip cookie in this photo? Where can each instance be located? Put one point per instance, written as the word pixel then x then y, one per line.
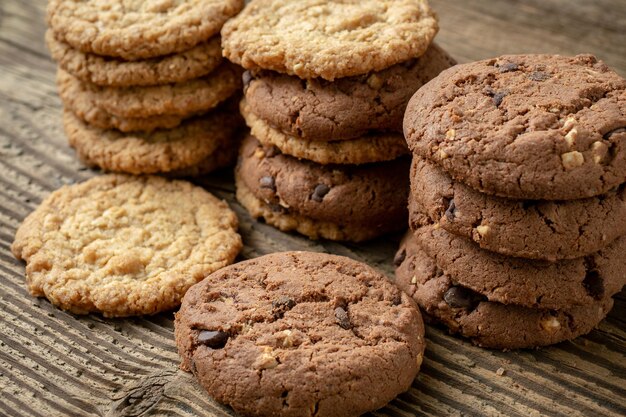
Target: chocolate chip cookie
pixel 328 39
pixel 525 126
pixel 123 245
pixel 300 334
pixel 548 230
pixel 347 108
pixel 333 202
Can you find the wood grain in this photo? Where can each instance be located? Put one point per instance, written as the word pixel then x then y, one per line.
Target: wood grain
pixel 54 364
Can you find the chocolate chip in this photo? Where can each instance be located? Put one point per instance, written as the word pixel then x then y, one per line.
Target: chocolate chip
pixel 282 305
pixel 461 297
pixel 539 76
pixel 342 318
pixel 594 284
pixel 399 258
pixel 215 339
pixel 508 67
pixel 246 78
pixel 268 182
pixel 320 191
pixel 498 97
pixel 277 208
pixel 607 135
pixel 451 211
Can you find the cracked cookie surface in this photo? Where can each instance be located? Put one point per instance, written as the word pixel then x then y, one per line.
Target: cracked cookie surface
pixel 360 201
pixel 347 108
pixel 548 230
pixel 328 39
pixel 138 29
pixel 525 126
pixel 300 334
pixel 123 245
pixel 489 323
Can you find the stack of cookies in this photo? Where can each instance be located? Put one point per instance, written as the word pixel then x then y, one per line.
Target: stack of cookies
pixel 325 93
pixel 144 85
pixel 518 198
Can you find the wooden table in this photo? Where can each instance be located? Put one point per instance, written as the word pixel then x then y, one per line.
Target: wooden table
pixel 54 363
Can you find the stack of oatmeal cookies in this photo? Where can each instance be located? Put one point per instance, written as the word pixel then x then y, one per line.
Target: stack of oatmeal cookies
pixel 325 92
pixel 144 85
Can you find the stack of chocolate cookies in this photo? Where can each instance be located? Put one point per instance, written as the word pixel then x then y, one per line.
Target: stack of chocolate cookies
pixel 325 93
pixel 518 198
pixel 144 85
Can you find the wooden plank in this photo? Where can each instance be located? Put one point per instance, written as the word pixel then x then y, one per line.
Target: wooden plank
pixel 53 363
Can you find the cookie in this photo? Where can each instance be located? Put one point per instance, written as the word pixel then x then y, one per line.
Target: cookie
pixel 160 151
pixel 488 323
pixel 123 246
pixel 371 148
pixel 347 108
pixel 182 99
pixel 548 230
pixel 300 334
pixel 525 282
pixel 138 29
pixel 89 68
pixel 333 202
pixel 223 157
pixel 328 39
pixel 525 126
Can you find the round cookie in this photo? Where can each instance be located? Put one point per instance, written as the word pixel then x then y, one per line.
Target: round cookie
pixel 347 108
pixel 548 230
pixel 223 157
pixel 487 323
pixel 186 65
pixel 334 202
pixel 123 245
pixel 328 39
pixel 138 29
pixel 525 126
pixel 300 334
pixel 525 282
pixel 182 99
pixel 371 148
pixel 160 151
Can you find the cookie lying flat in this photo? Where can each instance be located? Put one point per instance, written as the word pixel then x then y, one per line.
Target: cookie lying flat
pixel 332 202
pixel 525 126
pixel 160 151
pixel 300 334
pixel 123 246
pixel 182 99
pixel 525 282
pixel 328 39
pixel 347 108
pixel 371 148
pixel 529 229
pixel 187 65
pixel 488 323
pixel 138 29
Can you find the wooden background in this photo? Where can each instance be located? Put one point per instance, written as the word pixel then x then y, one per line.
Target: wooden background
pixel 53 363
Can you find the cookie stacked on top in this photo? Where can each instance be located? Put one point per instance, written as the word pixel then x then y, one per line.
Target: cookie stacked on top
pixel 325 92
pixel 518 198
pixel 144 85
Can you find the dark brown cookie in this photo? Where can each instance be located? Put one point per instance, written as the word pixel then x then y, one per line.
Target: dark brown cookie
pixel 488 323
pixel 367 200
pixel 525 126
pixel 548 230
pixel 347 108
pixel 526 282
pixel 300 334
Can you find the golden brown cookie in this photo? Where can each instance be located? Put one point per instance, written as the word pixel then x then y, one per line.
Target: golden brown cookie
pixel 123 245
pixel 328 39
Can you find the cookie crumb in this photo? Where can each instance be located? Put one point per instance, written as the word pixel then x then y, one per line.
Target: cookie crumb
pixel 501 371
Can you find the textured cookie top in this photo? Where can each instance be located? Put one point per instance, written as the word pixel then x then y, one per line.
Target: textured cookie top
pixel 124 245
pixel 328 39
pixel 540 229
pixel 193 63
pixel 368 195
pixel 525 126
pixel 347 108
pixel 138 29
pixel 300 333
